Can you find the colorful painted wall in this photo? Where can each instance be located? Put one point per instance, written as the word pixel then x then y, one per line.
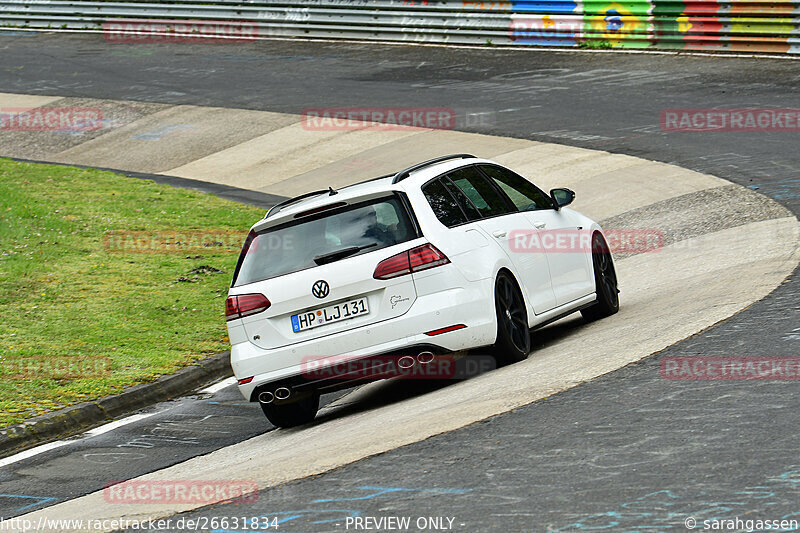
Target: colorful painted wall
pixel 722 25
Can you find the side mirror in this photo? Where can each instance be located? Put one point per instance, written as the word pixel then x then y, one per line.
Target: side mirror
pixel 561 197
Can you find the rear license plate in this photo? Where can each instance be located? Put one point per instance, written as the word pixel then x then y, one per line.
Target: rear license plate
pixel 327 315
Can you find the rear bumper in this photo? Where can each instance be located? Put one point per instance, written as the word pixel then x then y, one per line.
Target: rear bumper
pixel 333 373
pixel 457 305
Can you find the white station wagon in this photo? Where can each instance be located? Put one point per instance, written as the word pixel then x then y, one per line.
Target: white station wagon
pixel 442 257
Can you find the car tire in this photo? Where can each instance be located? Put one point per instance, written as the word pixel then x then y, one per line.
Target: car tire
pixel 513 336
pixel 296 413
pixel 605 281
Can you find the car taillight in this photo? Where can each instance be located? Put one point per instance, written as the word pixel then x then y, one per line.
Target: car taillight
pixel 414 260
pixel 245 305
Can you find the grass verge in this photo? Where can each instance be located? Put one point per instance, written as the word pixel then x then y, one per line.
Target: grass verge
pixel 106 282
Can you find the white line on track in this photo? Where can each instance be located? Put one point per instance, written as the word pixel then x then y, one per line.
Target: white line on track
pixel 105 428
pixel 111 426
pixel 33 451
pixel 216 387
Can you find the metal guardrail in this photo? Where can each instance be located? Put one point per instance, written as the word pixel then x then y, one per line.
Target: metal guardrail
pixel 711 25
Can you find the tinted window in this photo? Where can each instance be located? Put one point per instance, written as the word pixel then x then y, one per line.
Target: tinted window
pixel 367 226
pixel 468 207
pixel 523 194
pixel 444 206
pixel 479 191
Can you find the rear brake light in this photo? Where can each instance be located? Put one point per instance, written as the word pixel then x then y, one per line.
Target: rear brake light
pixel 397 265
pixel 414 260
pixel 245 305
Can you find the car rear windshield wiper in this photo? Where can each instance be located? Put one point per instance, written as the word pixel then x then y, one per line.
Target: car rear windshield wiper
pixel 330 257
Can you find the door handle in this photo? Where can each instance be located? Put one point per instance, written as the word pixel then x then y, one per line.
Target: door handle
pixel 539 225
pixel 499 234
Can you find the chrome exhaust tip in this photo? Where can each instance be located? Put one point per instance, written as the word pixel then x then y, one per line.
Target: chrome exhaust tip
pixel 282 393
pixel 266 397
pixel 406 362
pixel 425 357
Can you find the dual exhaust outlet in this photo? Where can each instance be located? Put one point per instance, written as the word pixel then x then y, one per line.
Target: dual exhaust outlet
pixel 405 362
pixel 281 393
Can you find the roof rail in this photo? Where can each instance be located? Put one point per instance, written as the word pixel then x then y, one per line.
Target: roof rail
pixel 370 180
pixel 403 174
pixel 277 207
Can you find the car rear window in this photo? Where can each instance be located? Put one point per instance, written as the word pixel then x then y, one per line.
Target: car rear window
pixel 292 247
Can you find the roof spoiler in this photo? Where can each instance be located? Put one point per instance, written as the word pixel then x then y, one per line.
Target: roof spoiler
pixel 277 207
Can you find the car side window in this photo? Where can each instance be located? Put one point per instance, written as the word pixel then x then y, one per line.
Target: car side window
pixel 468 207
pixel 480 191
pixel 443 204
pixel 525 195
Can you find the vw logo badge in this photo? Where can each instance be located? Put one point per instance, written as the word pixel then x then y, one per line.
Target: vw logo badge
pixel 320 289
